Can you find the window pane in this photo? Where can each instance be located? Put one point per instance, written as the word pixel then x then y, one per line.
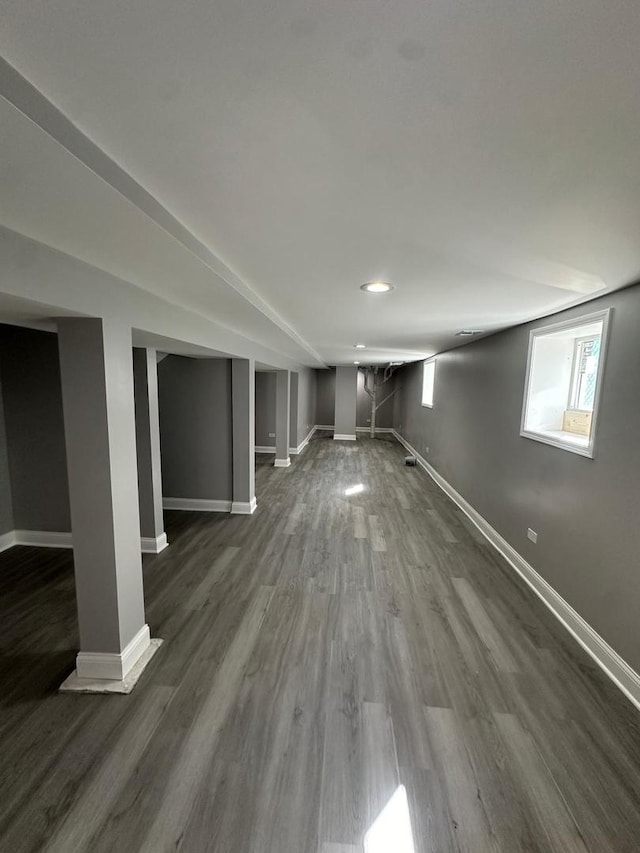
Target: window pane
pixel 587 359
pixel 428 381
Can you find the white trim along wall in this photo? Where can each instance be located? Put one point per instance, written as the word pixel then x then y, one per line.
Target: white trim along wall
pixel 294 451
pixel 196 504
pixel 52 539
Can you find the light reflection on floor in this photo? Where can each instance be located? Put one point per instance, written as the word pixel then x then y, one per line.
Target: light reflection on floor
pixel 354 490
pixel 391 830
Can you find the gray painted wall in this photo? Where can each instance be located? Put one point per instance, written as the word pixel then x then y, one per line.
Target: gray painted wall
pixel 34 489
pixel 384 415
pixel 325 396
pixel 6 503
pixel 265 409
pixel 303 407
pixel 34 424
pixel 585 511
pixel 324 409
pixel 195 427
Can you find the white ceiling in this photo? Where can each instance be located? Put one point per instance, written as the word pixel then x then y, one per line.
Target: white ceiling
pixel 47 194
pixel 483 156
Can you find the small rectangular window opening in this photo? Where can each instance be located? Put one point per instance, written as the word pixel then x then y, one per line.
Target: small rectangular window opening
pixel 428 382
pixel 564 377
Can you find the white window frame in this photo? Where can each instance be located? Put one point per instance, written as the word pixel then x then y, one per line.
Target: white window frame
pixel 575 323
pixel 427 361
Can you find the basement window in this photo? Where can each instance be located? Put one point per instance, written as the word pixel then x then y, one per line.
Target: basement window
pixel 564 379
pixel 428 381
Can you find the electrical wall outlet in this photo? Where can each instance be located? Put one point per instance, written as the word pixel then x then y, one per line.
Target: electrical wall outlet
pixel 272 435
pixel 531 534
pixel 426 448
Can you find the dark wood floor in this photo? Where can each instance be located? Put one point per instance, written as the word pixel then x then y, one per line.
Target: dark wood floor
pixel 318 656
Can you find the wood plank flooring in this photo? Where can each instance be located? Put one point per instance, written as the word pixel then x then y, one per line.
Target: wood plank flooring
pixel 320 657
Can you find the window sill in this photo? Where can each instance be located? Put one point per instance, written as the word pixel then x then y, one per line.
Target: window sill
pixel 579 444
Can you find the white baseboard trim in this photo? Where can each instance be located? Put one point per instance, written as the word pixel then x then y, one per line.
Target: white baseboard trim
pixel 196 505
pixel 282 463
pixel 294 451
pixel 244 507
pixel 149 545
pixel 297 450
pixel 113 666
pixel 43 538
pixel 327 427
pixel 52 539
pixel 609 661
pixel 341 436
pixel 378 429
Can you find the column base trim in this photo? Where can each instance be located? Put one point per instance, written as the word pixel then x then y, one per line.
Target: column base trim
pixel 606 657
pixel 196 505
pixel 244 507
pixel 113 666
pixel 340 436
pixel 149 545
pixel 75 684
pixel 282 463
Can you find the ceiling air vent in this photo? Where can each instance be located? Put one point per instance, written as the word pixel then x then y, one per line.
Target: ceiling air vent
pixel 468 333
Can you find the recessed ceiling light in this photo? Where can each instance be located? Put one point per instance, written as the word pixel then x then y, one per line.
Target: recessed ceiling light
pixel 467 333
pixel 377 287
pixel 356 362
pixel 360 346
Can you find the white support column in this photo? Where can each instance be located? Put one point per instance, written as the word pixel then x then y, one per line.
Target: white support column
pixel 243 394
pixel 283 390
pixel 97 393
pixel 145 380
pixel 346 403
